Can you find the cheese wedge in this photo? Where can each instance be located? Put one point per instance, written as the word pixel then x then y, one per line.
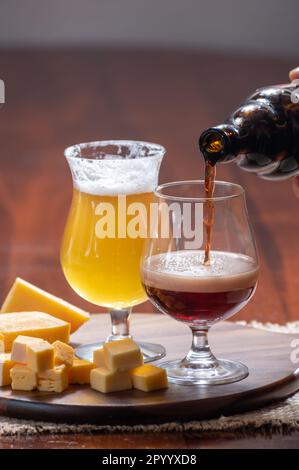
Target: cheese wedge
pixel 106 381
pixel 122 355
pixel 2 347
pixel 80 371
pixel 23 378
pixel 6 365
pixel 148 378
pixel 24 296
pixel 19 348
pixel 36 324
pixel 63 353
pixel 40 356
pixel 53 380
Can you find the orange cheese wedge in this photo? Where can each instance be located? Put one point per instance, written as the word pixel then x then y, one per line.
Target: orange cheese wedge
pixel 25 297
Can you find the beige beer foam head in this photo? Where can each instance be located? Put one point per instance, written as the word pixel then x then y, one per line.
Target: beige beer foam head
pixel 184 271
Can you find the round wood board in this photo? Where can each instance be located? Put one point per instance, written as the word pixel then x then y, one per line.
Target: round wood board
pixel 272 377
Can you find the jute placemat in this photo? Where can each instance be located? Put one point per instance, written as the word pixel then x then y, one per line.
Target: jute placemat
pixel 283 416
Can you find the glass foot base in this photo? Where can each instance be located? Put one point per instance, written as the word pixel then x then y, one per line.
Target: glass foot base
pixel 223 371
pixel 151 352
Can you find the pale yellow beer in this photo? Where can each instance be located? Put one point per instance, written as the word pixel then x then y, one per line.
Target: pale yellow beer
pixel 101 260
pixel 103 270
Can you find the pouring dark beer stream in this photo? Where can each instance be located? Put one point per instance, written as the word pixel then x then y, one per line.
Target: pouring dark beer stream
pixel 210 173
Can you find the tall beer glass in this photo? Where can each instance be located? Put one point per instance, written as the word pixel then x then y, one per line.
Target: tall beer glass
pixel 100 259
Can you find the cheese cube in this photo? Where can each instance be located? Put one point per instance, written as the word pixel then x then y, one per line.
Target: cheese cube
pixel 2 346
pixel 24 296
pixel 53 380
pixel 79 373
pixel 23 378
pixel 98 358
pixel 122 355
pixel 40 356
pixel 148 378
pixel 63 353
pixel 19 348
pixel 37 324
pixel 5 366
pixel 106 381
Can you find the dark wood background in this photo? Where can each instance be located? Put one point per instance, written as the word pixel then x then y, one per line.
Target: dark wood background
pixel 58 98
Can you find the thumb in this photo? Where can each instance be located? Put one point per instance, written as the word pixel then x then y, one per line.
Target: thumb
pixel 294 74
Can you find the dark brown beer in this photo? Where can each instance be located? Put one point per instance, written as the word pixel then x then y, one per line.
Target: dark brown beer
pixel 210 173
pixel 182 286
pixel 262 135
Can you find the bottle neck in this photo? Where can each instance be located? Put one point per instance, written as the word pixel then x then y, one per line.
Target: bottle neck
pixel 221 143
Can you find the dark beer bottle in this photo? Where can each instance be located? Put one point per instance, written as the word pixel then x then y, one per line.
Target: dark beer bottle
pixel 262 134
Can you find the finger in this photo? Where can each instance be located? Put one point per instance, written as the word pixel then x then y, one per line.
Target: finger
pixel 294 74
pixel 296 185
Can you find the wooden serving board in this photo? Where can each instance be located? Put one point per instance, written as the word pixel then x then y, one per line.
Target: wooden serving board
pixel 272 377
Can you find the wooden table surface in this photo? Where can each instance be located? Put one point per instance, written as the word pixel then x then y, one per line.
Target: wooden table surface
pixel 57 98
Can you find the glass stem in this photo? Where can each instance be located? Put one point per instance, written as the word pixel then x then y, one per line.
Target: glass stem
pixel 120 324
pixel 200 352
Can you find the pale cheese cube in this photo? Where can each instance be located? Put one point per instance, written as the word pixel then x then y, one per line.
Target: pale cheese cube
pixel 23 378
pixel 122 355
pixel 148 378
pixel 106 381
pixel 19 348
pixel 53 380
pixel 99 358
pixel 79 372
pixel 63 353
pixel 40 356
pixel 6 365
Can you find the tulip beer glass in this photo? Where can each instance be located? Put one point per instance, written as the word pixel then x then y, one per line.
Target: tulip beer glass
pixel 180 283
pixel 100 260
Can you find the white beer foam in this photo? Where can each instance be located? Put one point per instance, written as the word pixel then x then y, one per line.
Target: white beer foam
pixel 131 168
pixel 184 271
pixel 111 177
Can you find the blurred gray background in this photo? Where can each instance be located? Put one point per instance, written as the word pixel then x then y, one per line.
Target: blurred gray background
pixel 252 26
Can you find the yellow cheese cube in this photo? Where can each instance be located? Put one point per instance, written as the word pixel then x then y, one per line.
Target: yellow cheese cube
pixel 98 358
pixel 40 356
pixel 37 324
pixel 23 378
pixel 122 355
pixel 79 373
pixel 106 381
pixel 5 365
pixel 148 378
pixel 19 348
pixel 25 296
pixel 63 353
pixel 53 380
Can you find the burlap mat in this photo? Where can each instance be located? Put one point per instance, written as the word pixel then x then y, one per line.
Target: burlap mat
pixel 280 417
